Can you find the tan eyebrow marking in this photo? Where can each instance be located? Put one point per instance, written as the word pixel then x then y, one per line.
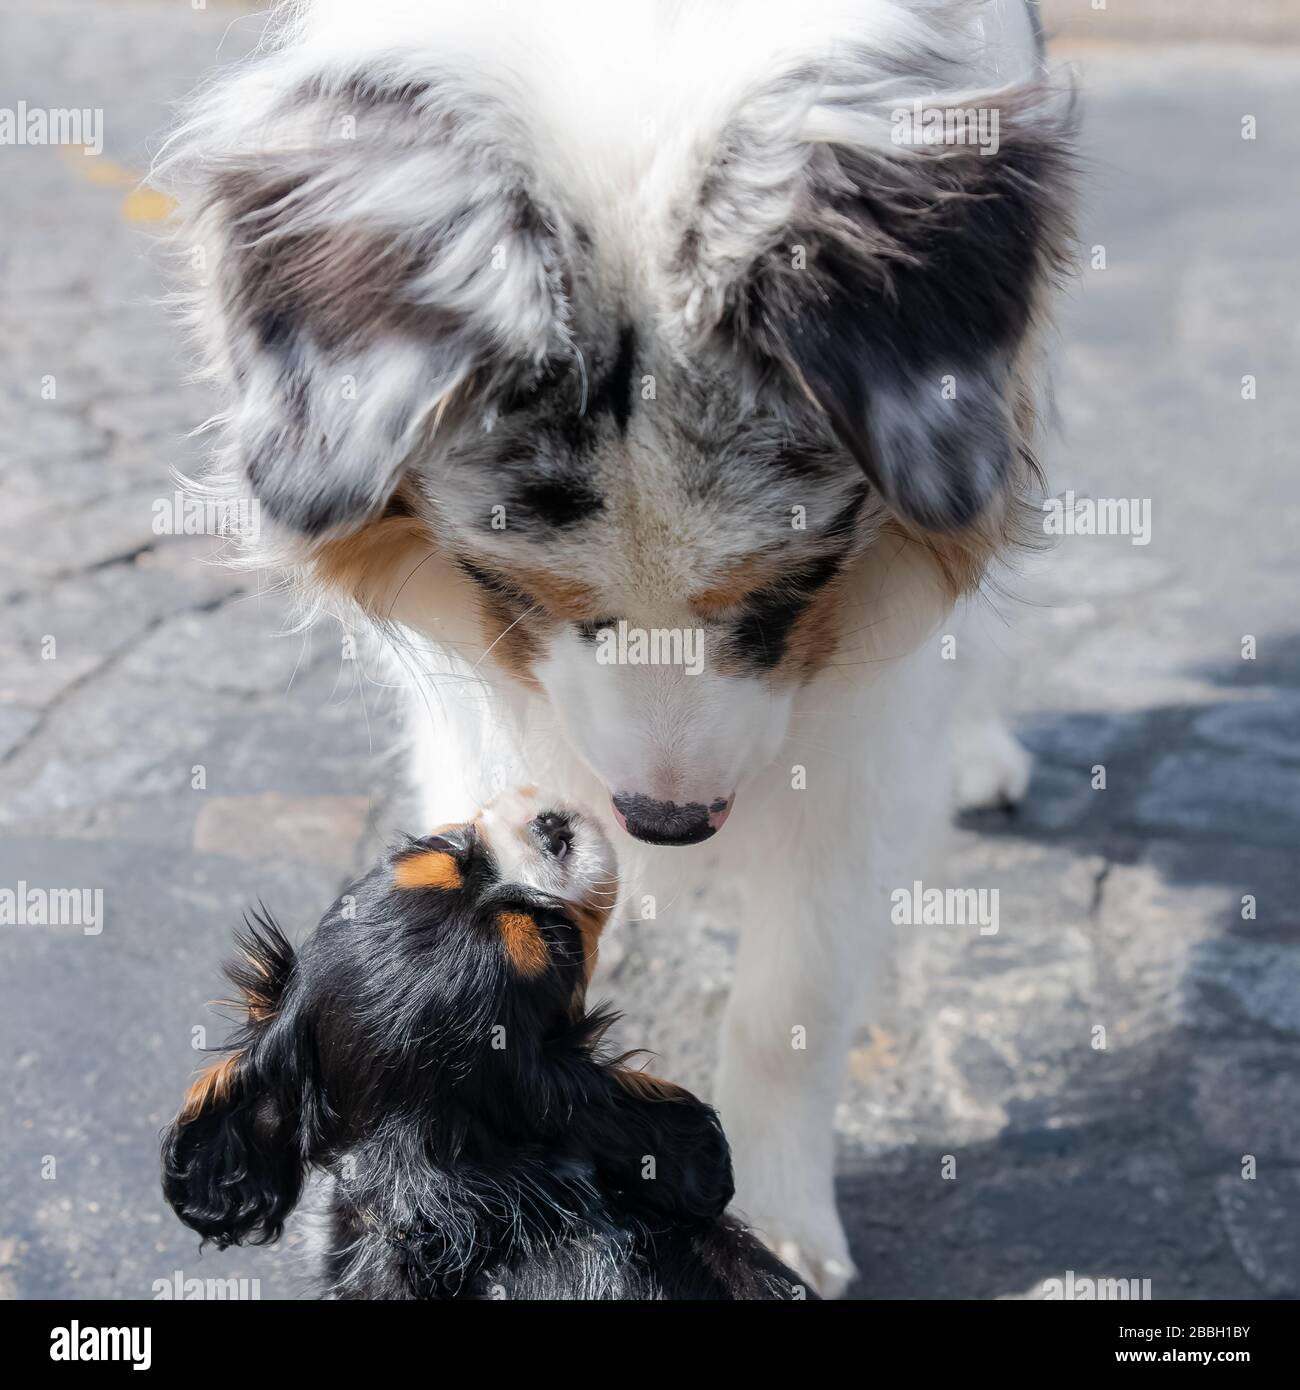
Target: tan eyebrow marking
pixel 523 942
pixel 735 584
pixel 434 868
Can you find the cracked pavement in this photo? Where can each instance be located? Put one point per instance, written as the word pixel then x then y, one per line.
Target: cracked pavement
pixel 1120 908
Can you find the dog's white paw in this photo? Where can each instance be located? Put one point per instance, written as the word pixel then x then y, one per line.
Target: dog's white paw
pixel 813 1247
pixel 993 768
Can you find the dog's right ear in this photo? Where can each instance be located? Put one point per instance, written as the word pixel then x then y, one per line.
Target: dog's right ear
pixel 373 265
pixel 233 1160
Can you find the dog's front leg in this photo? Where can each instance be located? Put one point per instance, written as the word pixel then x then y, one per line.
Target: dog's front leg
pixel 821 865
pixel 806 951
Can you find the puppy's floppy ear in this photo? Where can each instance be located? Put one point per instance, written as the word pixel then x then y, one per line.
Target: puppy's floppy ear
pixel 656 1144
pixel 233 1159
pixel 684 1163
pixel 372 257
pixel 892 283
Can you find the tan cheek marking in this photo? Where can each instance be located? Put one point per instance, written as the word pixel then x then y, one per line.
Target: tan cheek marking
pixel 512 628
pixel 433 869
pixel 505 631
pixel 812 641
pixel 210 1087
pixel 523 942
pixel 810 644
pixel 590 923
pixel 372 563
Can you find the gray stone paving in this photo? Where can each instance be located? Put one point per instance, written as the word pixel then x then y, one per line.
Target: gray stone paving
pixel 1120 908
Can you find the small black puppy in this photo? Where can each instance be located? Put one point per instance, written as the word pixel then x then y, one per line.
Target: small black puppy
pixel 430 1049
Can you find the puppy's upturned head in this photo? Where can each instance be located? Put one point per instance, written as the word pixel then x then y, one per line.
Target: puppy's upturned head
pixel 531 880
pixel 433 1032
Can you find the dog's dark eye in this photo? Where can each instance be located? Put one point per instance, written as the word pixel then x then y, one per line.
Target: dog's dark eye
pixel 554 833
pixel 591 628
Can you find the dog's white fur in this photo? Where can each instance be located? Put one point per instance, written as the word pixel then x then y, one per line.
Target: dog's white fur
pixel 815 868
pixel 628 95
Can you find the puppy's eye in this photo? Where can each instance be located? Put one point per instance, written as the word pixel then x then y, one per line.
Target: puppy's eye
pixel 554 833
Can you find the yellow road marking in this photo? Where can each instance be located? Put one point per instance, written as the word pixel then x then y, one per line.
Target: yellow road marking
pixel 140 203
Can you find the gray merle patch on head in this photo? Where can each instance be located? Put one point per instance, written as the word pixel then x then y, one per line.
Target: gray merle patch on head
pixel 552 504
pixel 534 473
pixel 546 448
pixel 613 390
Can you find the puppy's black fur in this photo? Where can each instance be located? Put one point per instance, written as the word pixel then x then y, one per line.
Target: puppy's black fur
pixel 445 1073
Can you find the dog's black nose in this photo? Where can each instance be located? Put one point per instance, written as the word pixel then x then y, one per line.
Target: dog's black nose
pixel 555 832
pixel 666 822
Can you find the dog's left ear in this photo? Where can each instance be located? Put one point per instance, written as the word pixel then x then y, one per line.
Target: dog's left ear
pixel 890 282
pixel 233 1160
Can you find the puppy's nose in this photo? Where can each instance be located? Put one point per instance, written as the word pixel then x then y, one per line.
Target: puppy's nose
pixel 667 822
pixel 555 831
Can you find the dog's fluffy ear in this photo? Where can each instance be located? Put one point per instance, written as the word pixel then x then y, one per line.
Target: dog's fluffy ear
pixel 372 262
pixel 649 1141
pixel 665 1147
pixel 233 1160
pixel 891 283
pixel 652 1142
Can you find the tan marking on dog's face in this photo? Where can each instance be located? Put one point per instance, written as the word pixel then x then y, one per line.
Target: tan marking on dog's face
pixel 735 585
pixel 564 600
pixel 590 922
pixel 516 619
pixel 432 869
pixel 210 1087
pixel 371 564
pixel 810 644
pixel 586 880
pixel 511 632
pixel 523 942
pixel 813 640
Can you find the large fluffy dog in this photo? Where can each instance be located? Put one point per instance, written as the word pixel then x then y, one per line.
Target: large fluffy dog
pixel 659 375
